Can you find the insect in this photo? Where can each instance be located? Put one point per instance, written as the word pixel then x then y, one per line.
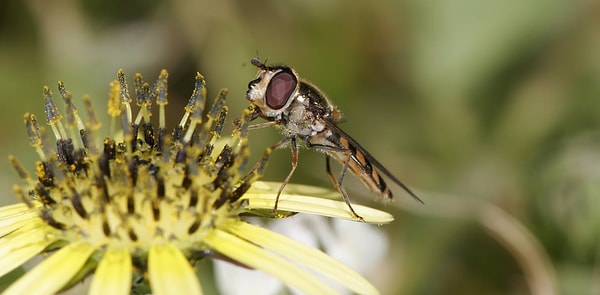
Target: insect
pixel 306 115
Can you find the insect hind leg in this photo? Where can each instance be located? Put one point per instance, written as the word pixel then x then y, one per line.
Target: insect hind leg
pixel 337 183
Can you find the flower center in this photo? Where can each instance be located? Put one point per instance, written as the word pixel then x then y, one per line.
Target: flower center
pixel 146 186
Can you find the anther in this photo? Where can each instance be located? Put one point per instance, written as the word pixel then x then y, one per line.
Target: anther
pixel 114 104
pixel 73 119
pixel 159 90
pixel 218 104
pixel 194 107
pixel 21 194
pixel 132 235
pixel 46 215
pixel 144 101
pixel 44 195
pixel 138 82
pixel 23 174
pixel 124 95
pixel 77 205
pixel 44 173
pixel 52 115
pixel 193 198
pixel 33 133
pixel 194 227
pixel 92 122
pixel 198 98
pixel 195 120
pixel 66 151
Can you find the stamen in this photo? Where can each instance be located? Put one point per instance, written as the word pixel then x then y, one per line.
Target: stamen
pixel 77 205
pixel 92 124
pixel 144 103
pixel 215 112
pixel 44 173
pixel 219 104
pixel 220 121
pixel 44 195
pixel 124 95
pixel 73 119
pixel 126 128
pixel 138 81
pixel 195 120
pixel 126 117
pixel 195 105
pixel 52 115
pixel 20 169
pixel 159 90
pixel 161 97
pixel 45 145
pixel 148 99
pixel 214 124
pixel 33 132
pixel 47 216
pixel 114 104
pixel 129 189
pixel 215 131
pixel 22 196
pixel 108 154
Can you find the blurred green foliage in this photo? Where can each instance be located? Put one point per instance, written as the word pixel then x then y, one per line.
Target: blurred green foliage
pixel 484 101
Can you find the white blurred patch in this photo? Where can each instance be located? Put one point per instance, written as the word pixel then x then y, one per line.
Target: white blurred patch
pixel 360 246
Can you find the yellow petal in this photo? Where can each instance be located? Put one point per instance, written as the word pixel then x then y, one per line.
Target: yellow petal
pixel 113 275
pixel 20 246
pixel 294 189
pixel 15 216
pixel 170 272
pixel 310 257
pixel 256 257
pixel 13 209
pixel 312 205
pixel 54 272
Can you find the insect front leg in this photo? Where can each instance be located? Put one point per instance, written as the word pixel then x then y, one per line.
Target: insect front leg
pixel 253 113
pixel 259 168
pixel 262 125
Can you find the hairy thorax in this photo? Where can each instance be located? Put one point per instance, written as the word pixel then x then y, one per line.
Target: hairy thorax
pixel 301 120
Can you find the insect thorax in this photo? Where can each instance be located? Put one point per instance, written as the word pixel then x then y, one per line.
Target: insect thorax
pixel 305 115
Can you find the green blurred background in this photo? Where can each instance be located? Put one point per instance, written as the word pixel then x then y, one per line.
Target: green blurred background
pixel 489 109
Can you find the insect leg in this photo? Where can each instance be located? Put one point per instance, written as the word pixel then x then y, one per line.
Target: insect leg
pixel 294 165
pixel 337 183
pixel 328 169
pixel 259 168
pixel 262 125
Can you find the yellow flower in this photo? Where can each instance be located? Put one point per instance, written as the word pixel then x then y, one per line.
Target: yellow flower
pixel 149 203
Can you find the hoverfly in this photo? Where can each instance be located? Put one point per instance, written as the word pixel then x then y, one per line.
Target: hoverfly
pixel 305 114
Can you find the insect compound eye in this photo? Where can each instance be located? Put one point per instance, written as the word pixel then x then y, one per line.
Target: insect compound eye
pixel 280 89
